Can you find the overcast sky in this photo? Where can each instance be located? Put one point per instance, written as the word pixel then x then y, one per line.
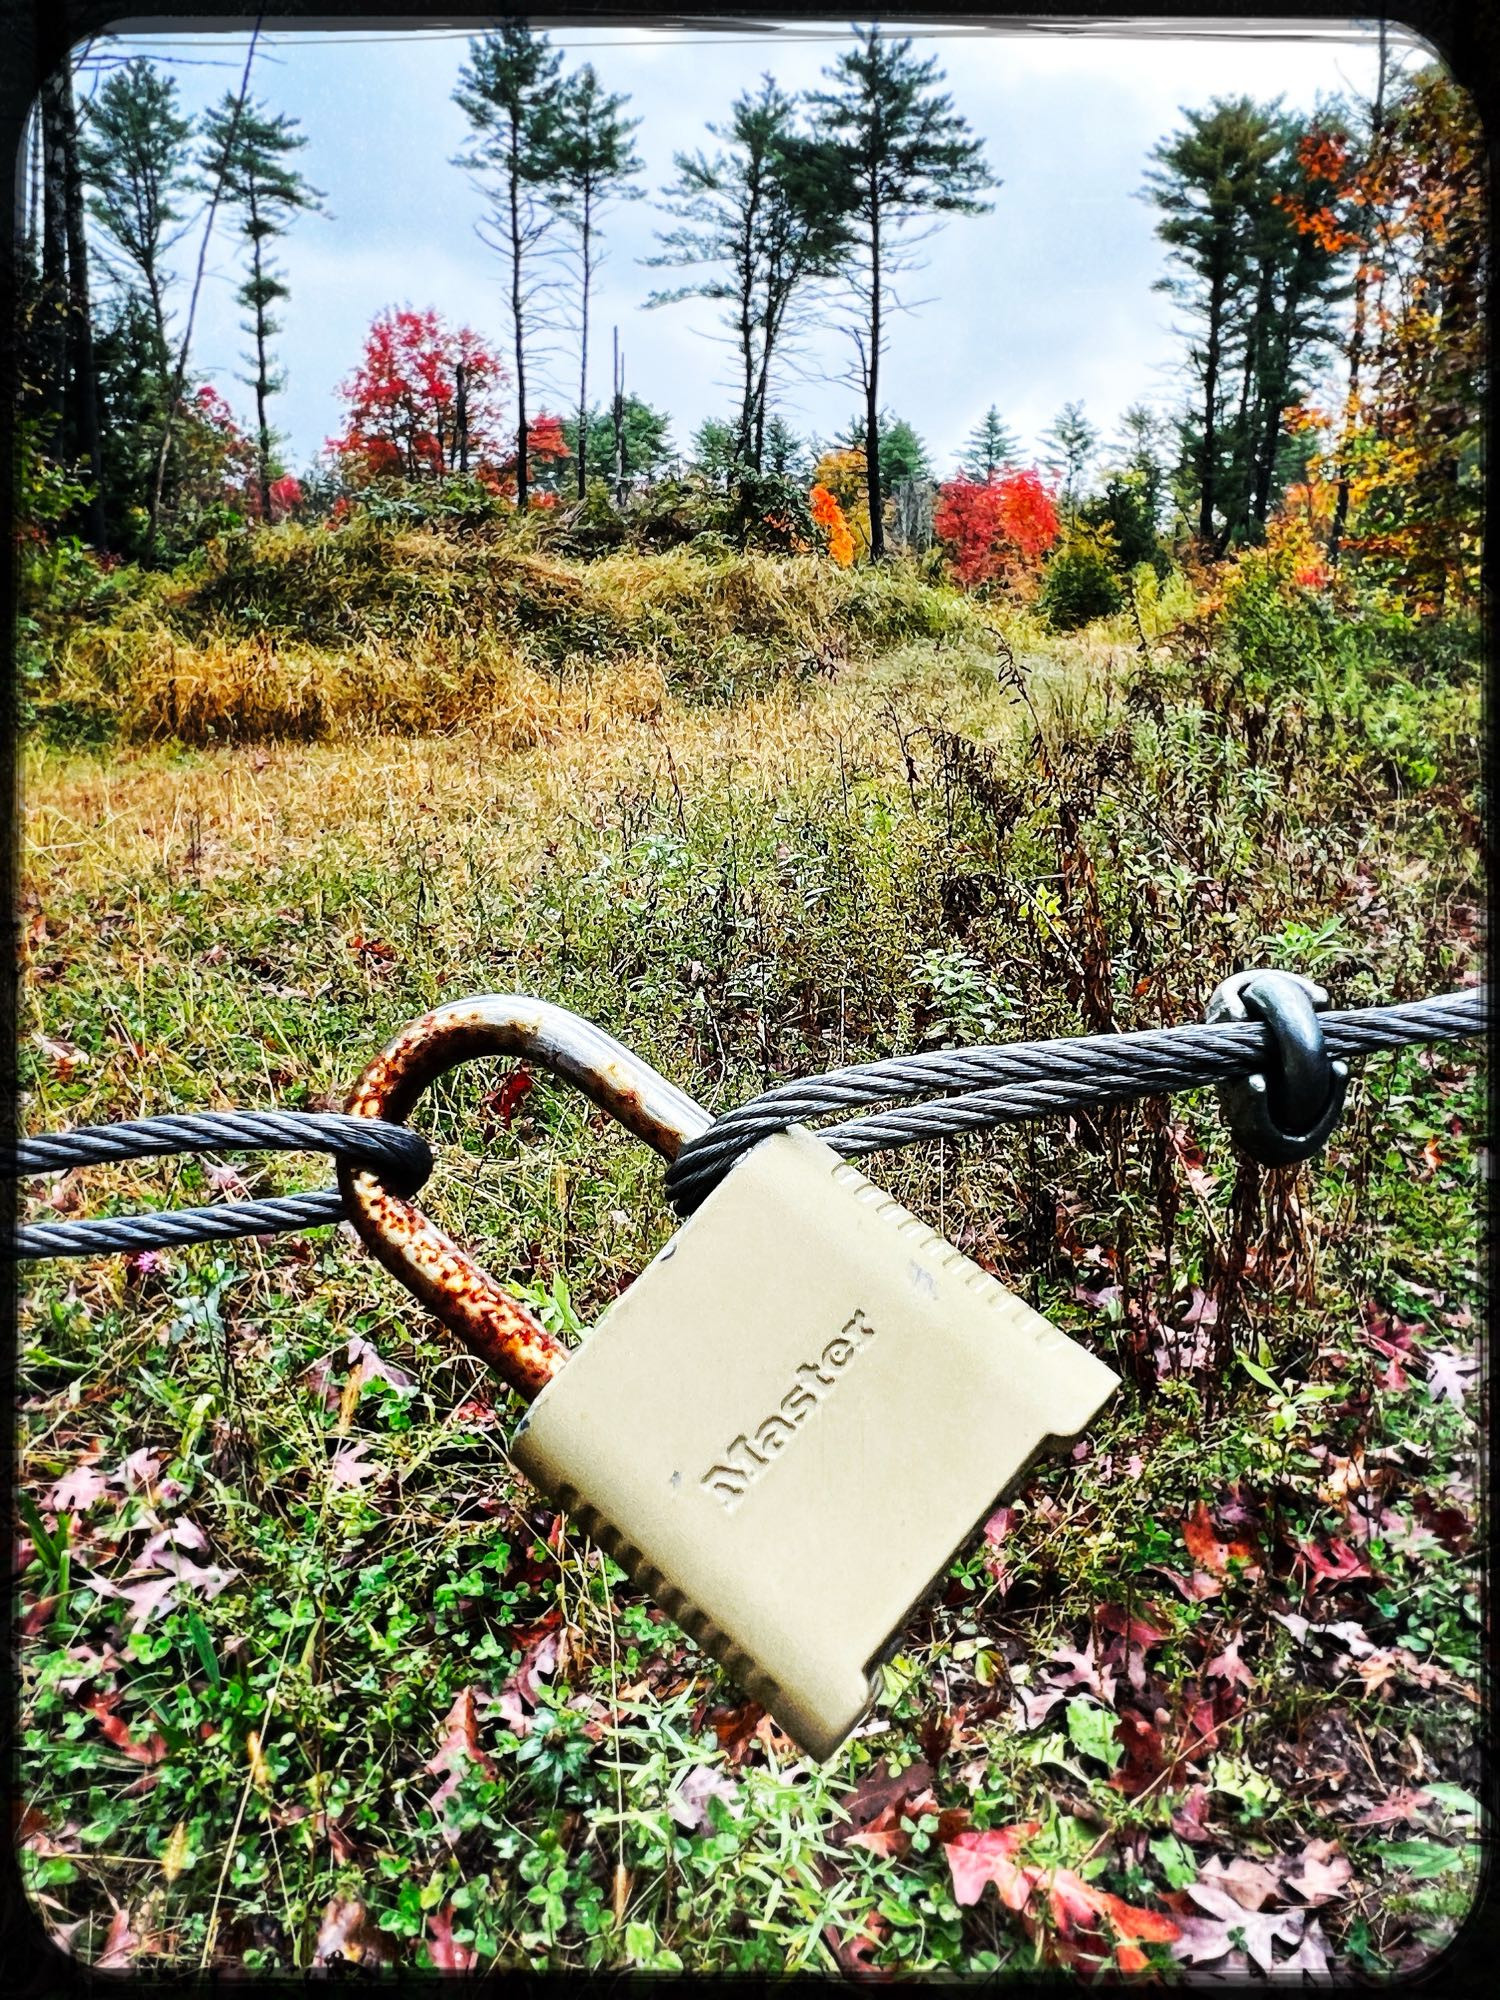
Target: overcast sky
pixel 1045 299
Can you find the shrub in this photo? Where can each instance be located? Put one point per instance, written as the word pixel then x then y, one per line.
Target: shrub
pixel 1082 580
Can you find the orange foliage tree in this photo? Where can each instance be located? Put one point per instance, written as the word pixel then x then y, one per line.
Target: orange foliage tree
pixel 841 474
pixel 1401 460
pixel 829 516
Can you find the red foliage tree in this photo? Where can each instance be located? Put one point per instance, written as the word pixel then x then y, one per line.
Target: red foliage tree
pixel 426 400
pixel 547 453
pixel 996 528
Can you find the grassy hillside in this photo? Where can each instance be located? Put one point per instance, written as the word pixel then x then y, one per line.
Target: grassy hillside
pixel 315 633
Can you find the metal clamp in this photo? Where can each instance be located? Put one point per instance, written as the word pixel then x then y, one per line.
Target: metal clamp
pixel 1285 1113
pixel 430 1264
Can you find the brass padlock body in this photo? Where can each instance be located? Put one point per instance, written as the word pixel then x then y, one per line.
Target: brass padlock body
pixel 794 1419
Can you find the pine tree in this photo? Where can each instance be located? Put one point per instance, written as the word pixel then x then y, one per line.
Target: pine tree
pixel 715 450
pixel 760 214
pixel 1142 453
pixel 1209 183
pixel 1071 444
pixel 898 155
pixel 509 92
pixel 1260 295
pixel 990 447
pixel 902 454
pixel 785 454
pixel 265 190
pixel 594 162
pixel 645 438
pixel 136 156
pixel 72 384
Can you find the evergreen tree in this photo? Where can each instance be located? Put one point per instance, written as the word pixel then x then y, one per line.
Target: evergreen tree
pixel 265 190
pixel 132 401
pixel 902 453
pixel 645 437
pixel 786 455
pixel 990 447
pixel 1206 184
pixel 1143 453
pixel 69 377
pixel 897 155
pixel 509 92
pixel 761 215
pixel 1259 294
pixel 716 450
pixel 135 153
pixel 1071 445
pixel 594 162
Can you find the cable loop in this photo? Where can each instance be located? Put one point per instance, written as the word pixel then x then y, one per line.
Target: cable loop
pixel 401 1157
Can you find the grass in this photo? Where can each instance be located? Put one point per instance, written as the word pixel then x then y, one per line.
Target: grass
pixel 746 875
pixel 311 634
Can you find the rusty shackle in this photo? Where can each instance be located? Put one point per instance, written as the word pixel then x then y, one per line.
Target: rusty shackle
pixel 452 1286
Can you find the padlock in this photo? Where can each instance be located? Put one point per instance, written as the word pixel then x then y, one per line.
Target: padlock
pixel 793 1419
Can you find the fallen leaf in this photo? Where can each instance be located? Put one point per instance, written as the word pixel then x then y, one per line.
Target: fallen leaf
pixel 349 1467
pixel 688 1804
pixel 884 1836
pixel 1229 1924
pixel 150 1751
pixel 1251 1883
pixel 64 1059
pixel 458 1751
pixel 1081 1669
pixel 1229 1667
pixel 1323 1873
pixel 1403 1807
pixel 499 1106
pixel 1450 1375
pixel 344 1934
pixel 446 1953
pixel 176 1855
pixel 1075 1935
pixel 734 1729
pixel 119 1945
pixel 140 1468
pixel 1209 1551
pixel 1144 1757
pixel 855 1950
pixel 1311 1956
pixel 77 1491
pixel 1337 1563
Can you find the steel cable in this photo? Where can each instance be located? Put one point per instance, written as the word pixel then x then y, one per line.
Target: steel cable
pixel 401 1156
pixel 1023 1080
pixel 965 1090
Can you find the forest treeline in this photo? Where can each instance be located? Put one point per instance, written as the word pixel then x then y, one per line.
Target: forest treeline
pixel 1325 272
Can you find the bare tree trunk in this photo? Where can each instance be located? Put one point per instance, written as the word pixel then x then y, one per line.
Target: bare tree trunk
pixel 618 415
pixel 262 381
pixel 82 384
pixel 872 395
pixel 174 395
pixel 517 308
pixel 54 308
pixel 586 278
pixel 1358 332
pixel 1211 359
pixel 461 417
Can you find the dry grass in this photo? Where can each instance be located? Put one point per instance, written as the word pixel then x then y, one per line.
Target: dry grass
pixel 309 635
